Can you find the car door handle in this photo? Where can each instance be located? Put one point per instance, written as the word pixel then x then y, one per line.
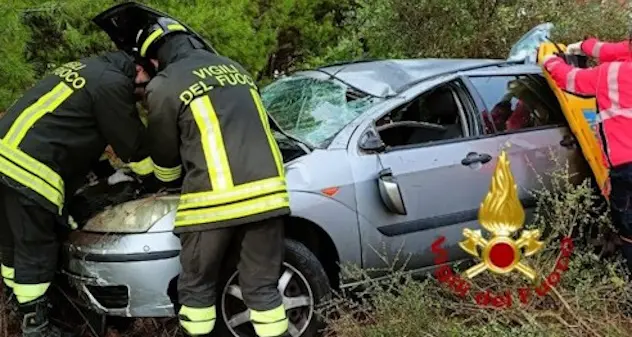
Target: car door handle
pixel 568 141
pixel 474 157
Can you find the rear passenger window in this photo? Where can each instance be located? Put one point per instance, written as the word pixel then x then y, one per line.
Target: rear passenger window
pixel 515 103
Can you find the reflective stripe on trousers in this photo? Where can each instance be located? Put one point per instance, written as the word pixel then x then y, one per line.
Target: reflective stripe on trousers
pixel 31 173
pixel 270 323
pixel 197 321
pixel 8 275
pixel 29 292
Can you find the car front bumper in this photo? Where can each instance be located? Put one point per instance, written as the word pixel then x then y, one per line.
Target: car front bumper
pixel 123 275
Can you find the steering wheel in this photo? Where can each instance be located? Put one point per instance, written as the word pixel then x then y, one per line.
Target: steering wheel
pixel 424 125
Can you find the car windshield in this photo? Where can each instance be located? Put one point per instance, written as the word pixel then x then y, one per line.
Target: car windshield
pixel 313 110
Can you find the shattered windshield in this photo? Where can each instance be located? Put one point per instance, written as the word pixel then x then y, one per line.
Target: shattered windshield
pixel 313 110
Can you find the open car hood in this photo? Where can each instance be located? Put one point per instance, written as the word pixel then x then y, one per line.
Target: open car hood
pixel 122 22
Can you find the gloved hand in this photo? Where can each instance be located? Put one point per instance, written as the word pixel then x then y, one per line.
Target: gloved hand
pixel 121 175
pixel 575 48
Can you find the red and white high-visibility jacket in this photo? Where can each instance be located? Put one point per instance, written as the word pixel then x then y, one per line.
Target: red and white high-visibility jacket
pixel 611 84
pixel 607 51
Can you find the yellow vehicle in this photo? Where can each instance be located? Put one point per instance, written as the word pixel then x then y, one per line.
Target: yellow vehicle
pixel 580 112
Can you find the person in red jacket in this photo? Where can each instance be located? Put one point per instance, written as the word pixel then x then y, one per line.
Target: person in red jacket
pixel 611 84
pixel 602 51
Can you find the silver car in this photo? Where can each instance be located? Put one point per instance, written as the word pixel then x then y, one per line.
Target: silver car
pixel 381 158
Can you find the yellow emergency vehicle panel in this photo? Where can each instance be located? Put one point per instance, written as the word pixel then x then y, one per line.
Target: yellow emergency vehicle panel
pixel 581 114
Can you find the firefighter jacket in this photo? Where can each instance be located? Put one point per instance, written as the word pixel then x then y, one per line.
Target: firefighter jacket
pixel 607 51
pixel 58 129
pixel 206 121
pixel 611 84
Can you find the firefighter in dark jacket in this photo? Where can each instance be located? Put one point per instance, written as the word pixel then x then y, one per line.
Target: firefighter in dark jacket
pixel 206 121
pixel 49 139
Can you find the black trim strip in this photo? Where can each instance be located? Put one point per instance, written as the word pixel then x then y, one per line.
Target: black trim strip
pixel 136 257
pixel 408 227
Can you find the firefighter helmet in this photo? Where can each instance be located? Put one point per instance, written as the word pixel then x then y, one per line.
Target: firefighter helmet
pixel 150 37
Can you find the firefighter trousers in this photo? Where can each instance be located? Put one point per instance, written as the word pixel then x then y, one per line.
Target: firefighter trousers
pixel 621 207
pixel 260 258
pixel 29 245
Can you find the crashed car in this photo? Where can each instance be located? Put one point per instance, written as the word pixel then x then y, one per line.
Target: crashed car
pixel 381 158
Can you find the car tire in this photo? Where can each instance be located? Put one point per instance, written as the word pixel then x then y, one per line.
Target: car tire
pixel 309 277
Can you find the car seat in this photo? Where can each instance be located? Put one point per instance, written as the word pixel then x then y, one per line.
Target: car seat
pixel 438 108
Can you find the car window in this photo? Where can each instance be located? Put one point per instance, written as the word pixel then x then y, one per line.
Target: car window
pixel 433 116
pixel 514 103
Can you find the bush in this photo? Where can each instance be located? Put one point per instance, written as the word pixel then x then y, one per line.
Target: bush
pixel 262 35
pixel 468 28
pixel 591 299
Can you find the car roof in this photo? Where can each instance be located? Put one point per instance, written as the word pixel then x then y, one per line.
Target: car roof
pixel 392 76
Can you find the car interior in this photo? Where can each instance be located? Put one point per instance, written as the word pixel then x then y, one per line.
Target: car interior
pixel 437 115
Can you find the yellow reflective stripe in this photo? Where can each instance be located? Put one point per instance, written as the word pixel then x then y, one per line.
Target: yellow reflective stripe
pixel 29 292
pixel 30 180
pixel 233 211
pixel 197 321
pixel 143 167
pixel 32 165
pixel 9 283
pixel 212 143
pixel 238 193
pixel 7 272
pixel 72 223
pixel 274 147
pixel 28 117
pixel 167 174
pixel 175 27
pixel 150 39
pixel 270 323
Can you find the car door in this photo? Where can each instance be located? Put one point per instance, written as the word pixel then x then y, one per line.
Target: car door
pixel 442 184
pixel 535 130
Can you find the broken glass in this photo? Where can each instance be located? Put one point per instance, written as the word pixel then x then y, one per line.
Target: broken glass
pixel 314 110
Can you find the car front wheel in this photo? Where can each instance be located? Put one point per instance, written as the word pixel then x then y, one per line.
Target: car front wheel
pixel 303 284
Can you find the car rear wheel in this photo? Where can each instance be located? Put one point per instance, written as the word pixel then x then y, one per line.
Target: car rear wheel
pixel 303 284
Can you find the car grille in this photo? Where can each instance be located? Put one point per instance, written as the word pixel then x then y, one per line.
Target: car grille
pixel 110 297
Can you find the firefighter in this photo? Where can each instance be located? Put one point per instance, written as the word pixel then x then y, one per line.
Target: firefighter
pixel 49 139
pixel 610 83
pixel 206 121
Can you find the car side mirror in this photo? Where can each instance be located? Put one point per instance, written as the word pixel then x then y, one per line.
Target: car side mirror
pixel 390 192
pixel 371 142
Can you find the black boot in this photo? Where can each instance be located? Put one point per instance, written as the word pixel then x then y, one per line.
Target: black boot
pixel 36 322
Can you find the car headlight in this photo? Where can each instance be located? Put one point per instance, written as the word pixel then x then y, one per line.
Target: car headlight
pixel 136 216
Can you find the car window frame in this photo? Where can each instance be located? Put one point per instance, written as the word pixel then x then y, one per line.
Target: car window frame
pixel 481 106
pixel 465 101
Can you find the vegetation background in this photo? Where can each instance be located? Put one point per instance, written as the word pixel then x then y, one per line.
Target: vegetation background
pixel 270 36
pixel 278 36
